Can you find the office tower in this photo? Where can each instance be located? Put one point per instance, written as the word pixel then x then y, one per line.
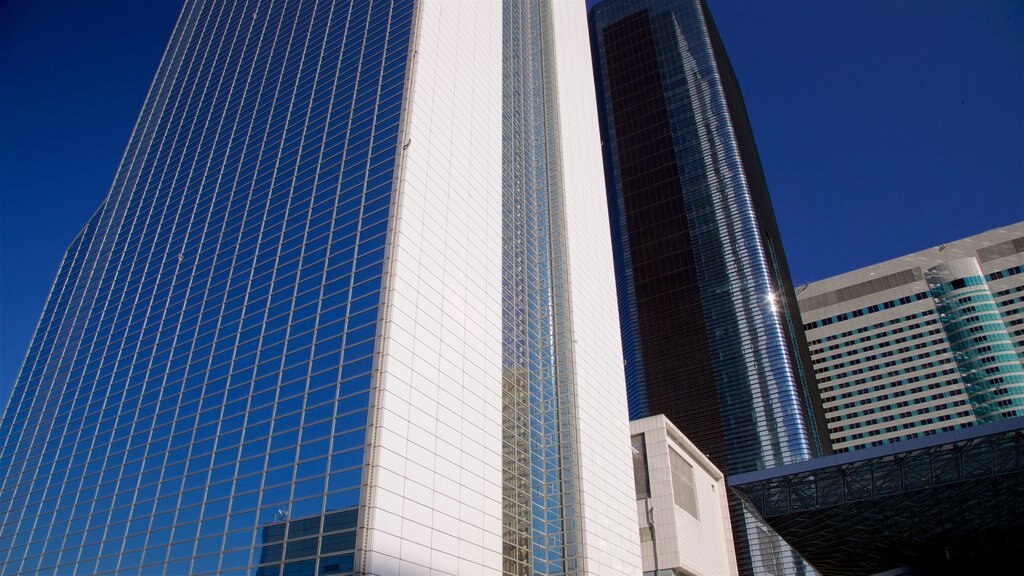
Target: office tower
pixel 710 330
pixel 348 307
pixel 706 304
pixel 923 343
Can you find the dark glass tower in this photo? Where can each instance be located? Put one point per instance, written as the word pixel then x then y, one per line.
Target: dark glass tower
pixel 710 326
pixel 708 314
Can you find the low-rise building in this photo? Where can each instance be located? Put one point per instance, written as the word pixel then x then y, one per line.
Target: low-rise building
pixel 681 504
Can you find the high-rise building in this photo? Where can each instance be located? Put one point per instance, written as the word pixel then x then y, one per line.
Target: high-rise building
pixel 711 334
pixel 348 307
pixel 923 343
pixel 710 327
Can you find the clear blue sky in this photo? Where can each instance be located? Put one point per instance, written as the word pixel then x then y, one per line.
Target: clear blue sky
pixel 884 127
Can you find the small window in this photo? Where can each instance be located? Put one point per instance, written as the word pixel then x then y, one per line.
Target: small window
pixel 683 488
pixel 640 475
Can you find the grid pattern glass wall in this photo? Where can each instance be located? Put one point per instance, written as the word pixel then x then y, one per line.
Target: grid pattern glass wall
pixel 194 398
pixel 705 295
pixel 541 520
pixel 1003 266
pixel 706 303
pixel 991 368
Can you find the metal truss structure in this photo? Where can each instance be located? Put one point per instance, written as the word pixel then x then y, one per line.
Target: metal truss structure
pixel 941 504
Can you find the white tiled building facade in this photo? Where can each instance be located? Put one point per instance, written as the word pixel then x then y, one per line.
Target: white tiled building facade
pixel 435 479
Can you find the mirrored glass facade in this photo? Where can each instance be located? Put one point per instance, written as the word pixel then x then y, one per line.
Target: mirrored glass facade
pixel 195 397
pixel 540 491
pixel 704 292
pixel 991 368
pixel 322 324
pixel 711 333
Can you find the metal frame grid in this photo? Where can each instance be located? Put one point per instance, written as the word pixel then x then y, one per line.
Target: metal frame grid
pixel 940 503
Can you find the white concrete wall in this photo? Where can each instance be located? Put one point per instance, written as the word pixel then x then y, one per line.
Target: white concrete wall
pixel 611 542
pixel 434 502
pixel 700 545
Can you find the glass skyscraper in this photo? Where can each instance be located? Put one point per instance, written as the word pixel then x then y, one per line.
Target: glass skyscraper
pixel 347 308
pixel 712 335
pixel 711 331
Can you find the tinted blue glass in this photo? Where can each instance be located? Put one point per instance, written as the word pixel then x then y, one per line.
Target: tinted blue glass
pixel 541 492
pixel 707 309
pixel 705 299
pixel 976 332
pixel 196 391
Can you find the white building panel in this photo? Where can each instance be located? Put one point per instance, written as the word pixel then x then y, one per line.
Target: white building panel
pixel 434 502
pixel 700 544
pixel 611 542
pixel 435 475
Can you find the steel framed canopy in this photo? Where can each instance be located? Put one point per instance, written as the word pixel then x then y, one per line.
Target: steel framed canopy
pixel 939 504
